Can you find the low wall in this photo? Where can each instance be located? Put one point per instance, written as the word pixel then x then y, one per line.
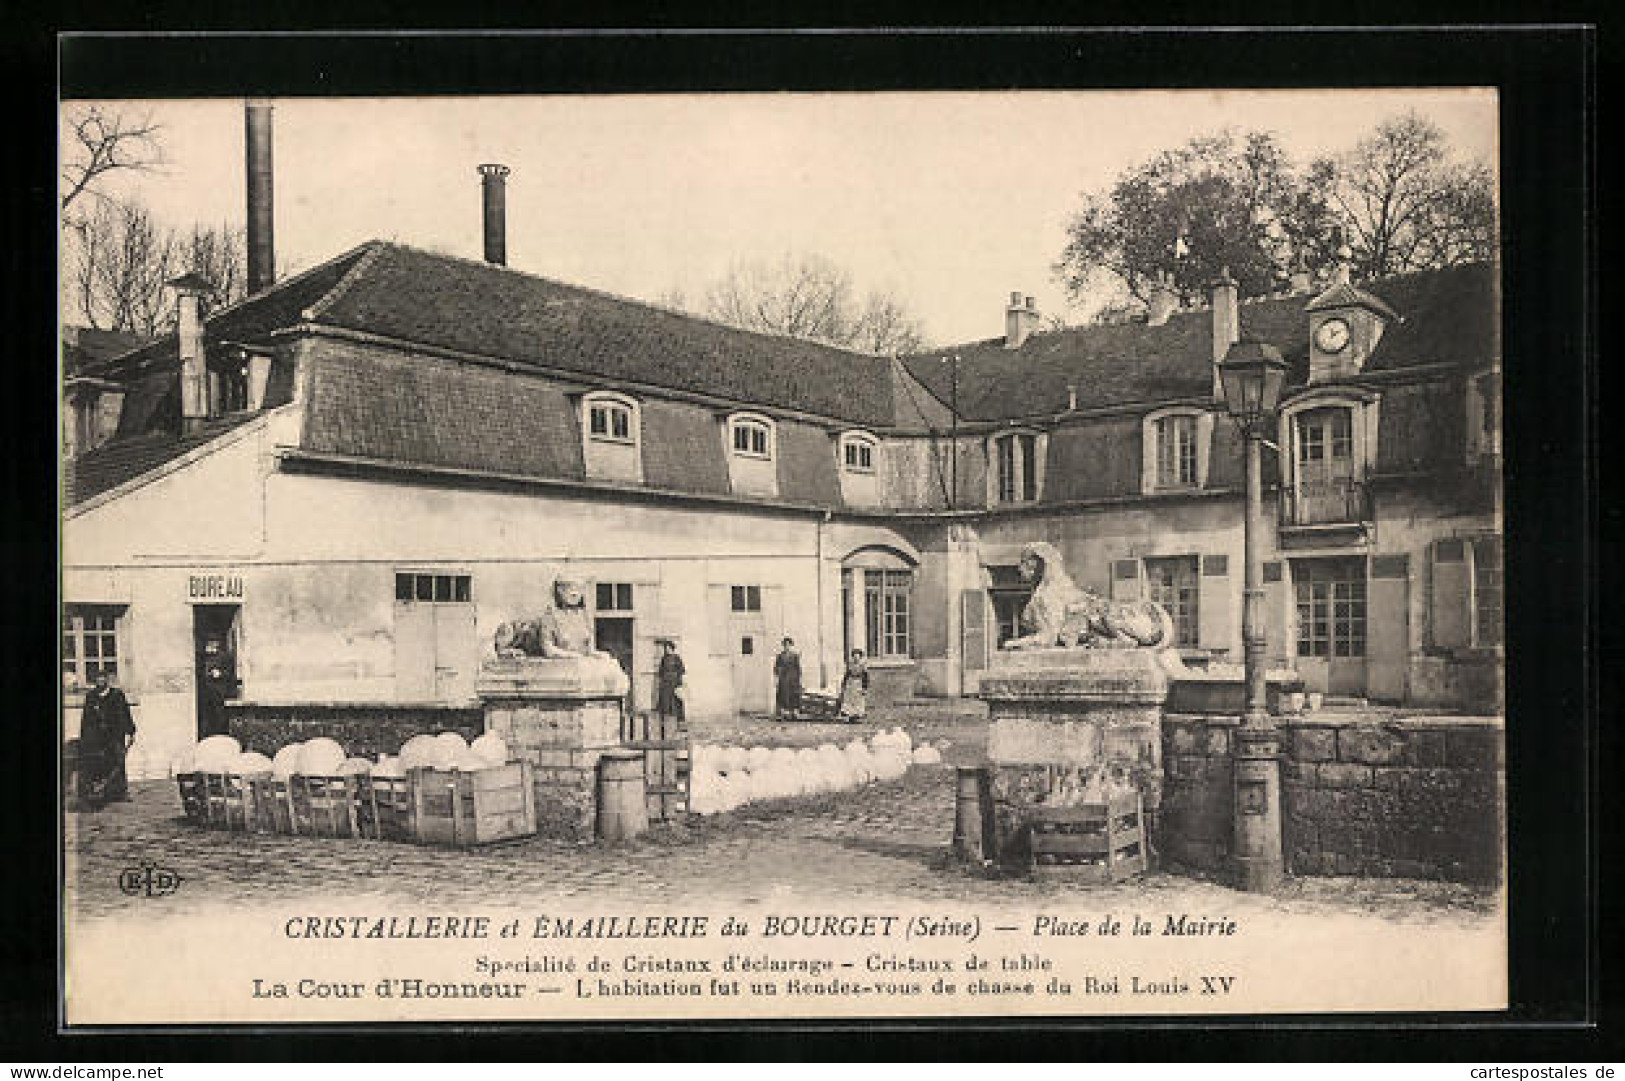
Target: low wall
pixel 1406 797
pixel 363 728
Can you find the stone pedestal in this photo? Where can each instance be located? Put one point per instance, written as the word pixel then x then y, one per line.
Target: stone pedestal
pixel 1064 715
pixel 560 716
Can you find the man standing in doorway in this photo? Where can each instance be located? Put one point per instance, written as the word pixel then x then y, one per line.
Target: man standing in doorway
pixel 787 674
pixel 106 731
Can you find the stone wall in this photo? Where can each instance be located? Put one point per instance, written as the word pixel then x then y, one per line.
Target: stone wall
pixel 363 728
pixel 1404 797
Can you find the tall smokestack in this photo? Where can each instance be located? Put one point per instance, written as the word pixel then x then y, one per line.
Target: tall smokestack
pixel 261 243
pixel 494 181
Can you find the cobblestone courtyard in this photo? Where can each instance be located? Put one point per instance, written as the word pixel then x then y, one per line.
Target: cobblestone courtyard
pixel 885 841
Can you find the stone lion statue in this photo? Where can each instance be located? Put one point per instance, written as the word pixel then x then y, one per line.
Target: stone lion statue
pixel 1062 614
pixel 562 631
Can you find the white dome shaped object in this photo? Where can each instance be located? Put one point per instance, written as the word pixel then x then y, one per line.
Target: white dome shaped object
pixel 451 740
pixel 185 762
pixel 927 755
pixel 353 767
pixel 388 766
pixel 417 751
pixel 490 749
pixel 250 764
pixel 285 763
pixel 320 757
pixel 216 754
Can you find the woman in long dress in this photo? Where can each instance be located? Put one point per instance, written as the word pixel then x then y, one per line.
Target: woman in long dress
pixel 855 689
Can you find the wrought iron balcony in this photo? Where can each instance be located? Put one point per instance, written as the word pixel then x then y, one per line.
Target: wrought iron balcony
pixel 1325 501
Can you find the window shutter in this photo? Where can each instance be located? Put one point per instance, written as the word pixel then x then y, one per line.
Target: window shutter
pixel 1447 594
pixel 1126 580
pixel 1277 615
pixel 1215 614
pixel 973 635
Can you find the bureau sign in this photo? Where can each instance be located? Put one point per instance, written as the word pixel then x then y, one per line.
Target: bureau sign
pixel 214 587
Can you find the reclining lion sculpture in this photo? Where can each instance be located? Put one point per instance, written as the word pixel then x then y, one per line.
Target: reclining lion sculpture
pixel 562 631
pixel 1062 614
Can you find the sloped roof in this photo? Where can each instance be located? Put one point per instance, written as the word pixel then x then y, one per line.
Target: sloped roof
pixel 111 464
pixel 492 311
pixel 86 346
pixel 1444 316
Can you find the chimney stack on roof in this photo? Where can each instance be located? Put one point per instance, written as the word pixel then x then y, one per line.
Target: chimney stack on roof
pixel 494 183
pixel 261 242
pixel 1226 323
pixel 190 290
pixel 1162 302
pixel 1020 321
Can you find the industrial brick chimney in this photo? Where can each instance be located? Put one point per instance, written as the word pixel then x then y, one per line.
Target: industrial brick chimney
pixel 261 243
pixel 494 182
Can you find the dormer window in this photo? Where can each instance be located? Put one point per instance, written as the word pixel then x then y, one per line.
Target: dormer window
pixel 611 437
pixel 1328 441
pixel 1175 444
pixel 858 453
pixel 1017 467
pixel 751 437
pixel 609 419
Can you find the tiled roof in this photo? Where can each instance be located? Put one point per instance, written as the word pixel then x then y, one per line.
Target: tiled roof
pixel 1446 316
pixel 496 312
pixel 111 464
pixel 83 346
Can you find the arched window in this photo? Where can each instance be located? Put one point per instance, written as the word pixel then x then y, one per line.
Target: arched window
pixel 859 452
pixel 750 436
pixel 610 418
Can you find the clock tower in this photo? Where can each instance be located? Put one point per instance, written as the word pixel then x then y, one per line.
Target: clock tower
pixel 1345 325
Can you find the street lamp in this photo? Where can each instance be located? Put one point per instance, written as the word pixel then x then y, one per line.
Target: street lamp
pixel 1252 374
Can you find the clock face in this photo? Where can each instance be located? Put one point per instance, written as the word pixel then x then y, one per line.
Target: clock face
pixel 1332 336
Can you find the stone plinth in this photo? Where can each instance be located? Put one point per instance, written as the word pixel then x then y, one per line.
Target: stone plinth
pixel 561 716
pixel 1066 715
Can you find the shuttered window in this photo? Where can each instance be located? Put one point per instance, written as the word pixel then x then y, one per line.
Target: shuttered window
pixel 1487 591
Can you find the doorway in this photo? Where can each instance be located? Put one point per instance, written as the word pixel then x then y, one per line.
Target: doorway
pixel 613 635
pixel 214 642
pixel 1331 596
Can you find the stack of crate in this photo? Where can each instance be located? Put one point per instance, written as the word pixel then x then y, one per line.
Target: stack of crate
pixel 428 806
pixel 1091 842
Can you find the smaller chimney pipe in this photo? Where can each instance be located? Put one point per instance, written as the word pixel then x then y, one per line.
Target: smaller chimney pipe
pixel 494 185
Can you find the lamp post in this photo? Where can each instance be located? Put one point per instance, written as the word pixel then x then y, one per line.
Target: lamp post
pixel 1252 374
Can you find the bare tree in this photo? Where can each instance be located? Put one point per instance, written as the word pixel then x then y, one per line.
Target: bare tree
pixel 1406 206
pixel 808 296
pixel 119 259
pixel 98 140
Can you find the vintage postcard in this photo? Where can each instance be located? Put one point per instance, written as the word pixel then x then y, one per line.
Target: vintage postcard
pixel 786 556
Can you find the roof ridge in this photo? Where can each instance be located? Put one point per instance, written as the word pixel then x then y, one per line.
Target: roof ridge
pixel 639 301
pixel 314 311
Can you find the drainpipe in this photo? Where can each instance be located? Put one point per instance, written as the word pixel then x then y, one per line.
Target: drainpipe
pixel 823 660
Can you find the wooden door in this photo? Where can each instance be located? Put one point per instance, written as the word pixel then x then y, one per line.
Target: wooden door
pixel 1389 646
pixel 414 652
pixel 456 652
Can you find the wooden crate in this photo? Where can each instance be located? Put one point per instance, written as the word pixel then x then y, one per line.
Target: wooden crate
pixel 668 762
pixel 1092 842
pixel 217 801
pixel 474 807
pixel 301 806
pixel 383 808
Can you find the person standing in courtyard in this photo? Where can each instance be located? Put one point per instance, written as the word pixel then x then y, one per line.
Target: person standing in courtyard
pixel 106 731
pixel 787 676
pixel 854 705
pixel 668 678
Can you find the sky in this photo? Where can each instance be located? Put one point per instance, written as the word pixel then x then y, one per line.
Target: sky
pixel 951 201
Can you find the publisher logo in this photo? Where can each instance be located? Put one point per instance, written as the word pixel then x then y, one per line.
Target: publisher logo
pixel 148 880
